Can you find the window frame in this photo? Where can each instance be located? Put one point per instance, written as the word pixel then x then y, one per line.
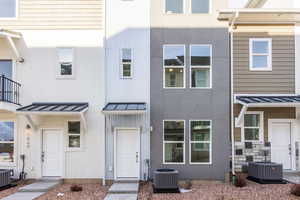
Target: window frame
pixel 122 63
pixel 58 73
pixel 209 8
pixel 200 142
pixel 269 55
pixel 68 136
pixel 177 67
pixel 183 8
pixel 14 163
pixel 16 11
pixel 173 142
pixel 201 67
pixel 261 126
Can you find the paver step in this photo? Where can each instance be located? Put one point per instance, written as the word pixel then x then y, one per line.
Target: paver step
pixel 124 188
pixel 121 197
pixel 23 196
pixel 40 186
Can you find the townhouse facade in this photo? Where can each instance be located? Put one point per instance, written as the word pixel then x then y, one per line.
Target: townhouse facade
pixel 52 84
pixel 265 116
pixel 190 89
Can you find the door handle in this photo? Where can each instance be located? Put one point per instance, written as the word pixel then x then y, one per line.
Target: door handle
pixel 43 156
pixel 290 149
pixel 137 157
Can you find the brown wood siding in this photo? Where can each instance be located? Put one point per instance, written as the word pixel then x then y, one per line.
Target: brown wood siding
pixel 269 113
pixel 280 80
pixel 57 14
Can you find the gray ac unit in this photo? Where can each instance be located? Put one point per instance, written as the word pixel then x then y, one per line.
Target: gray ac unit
pixel 5 177
pixel 265 171
pixel 165 179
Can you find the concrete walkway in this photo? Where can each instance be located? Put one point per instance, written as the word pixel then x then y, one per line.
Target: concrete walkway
pixel 292 177
pixel 123 191
pixel 34 190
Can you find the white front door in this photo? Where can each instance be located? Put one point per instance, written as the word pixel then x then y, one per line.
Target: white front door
pixel 127 154
pixel 52 153
pixel 281 144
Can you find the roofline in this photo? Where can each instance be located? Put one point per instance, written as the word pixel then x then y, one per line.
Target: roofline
pixel 261 10
pixel 123 112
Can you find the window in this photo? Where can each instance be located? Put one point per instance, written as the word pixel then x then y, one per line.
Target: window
pixel 173 142
pixel 8 8
pixel 200 142
pixel 252 130
pixel 174 6
pixel 7 142
pixel 74 134
pixel 126 63
pixel 200 66
pixel 174 66
pixel 200 6
pixel 260 54
pixel 65 62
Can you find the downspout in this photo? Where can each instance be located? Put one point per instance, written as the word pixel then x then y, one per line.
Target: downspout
pixel 105 89
pixel 236 14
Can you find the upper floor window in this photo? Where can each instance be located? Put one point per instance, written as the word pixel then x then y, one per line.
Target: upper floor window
pixel 126 63
pixel 66 68
pixel 174 66
pixel 174 6
pixel 8 8
pixel 200 6
pixel 260 54
pixel 200 66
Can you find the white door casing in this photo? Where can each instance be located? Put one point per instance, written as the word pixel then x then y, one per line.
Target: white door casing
pixel 282 143
pixel 52 153
pixel 127 153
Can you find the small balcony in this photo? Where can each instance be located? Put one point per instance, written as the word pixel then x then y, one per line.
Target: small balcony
pixel 9 94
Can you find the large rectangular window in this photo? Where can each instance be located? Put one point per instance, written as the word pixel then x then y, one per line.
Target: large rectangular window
pixel 126 63
pixel 7 142
pixel 260 50
pixel 173 141
pixel 200 6
pixel 74 134
pixel 200 66
pixel 174 66
pixel 253 125
pixel 66 68
pixel 174 6
pixel 200 142
pixel 8 8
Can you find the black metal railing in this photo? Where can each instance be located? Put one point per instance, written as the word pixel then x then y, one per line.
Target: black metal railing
pixel 9 90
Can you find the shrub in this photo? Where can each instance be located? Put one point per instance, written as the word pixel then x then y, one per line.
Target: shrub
pixel 76 188
pixel 240 181
pixel 295 189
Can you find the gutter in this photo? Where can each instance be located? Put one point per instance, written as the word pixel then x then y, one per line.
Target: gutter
pixel 236 14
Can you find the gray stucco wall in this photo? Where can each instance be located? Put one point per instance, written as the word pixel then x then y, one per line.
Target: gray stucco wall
pixel 211 104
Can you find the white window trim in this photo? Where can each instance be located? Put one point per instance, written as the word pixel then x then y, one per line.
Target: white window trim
pixel 179 67
pixel 67 135
pixel 14 163
pixel 269 55
pixel 183 9
pixel 168 142
pixel 17 13
pixel 58 75
pixel 209 9
pixel 261 127
pixel 201 67
pixel 121 64
pixel 202 142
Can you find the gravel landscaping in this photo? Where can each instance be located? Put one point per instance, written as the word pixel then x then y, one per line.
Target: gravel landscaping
pixel 205 191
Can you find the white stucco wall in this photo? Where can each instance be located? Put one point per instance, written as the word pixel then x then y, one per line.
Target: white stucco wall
pixel 40 84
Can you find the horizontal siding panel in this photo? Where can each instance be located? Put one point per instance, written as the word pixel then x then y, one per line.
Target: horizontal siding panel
pixel 57 14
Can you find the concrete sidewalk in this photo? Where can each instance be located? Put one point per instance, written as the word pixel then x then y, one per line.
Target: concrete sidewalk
pixel 123 191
